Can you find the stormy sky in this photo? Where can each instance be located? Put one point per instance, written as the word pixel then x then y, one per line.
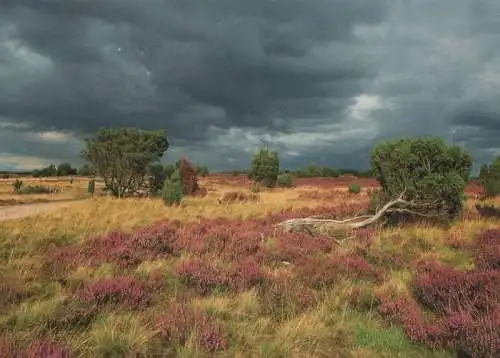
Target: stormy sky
pixel 318 80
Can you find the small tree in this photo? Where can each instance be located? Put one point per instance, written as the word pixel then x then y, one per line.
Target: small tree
pixel 489 178
pixel 418 176
pixel 265 167
pixel 188 176
pixel 426 171
pixel 121 156
pixel 172 189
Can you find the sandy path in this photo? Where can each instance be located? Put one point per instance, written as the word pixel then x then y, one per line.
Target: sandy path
pixel 23 210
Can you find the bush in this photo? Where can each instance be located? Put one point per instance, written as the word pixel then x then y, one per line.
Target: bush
pixel 489 178
pixel 188 177
pixel 285 180
pixel 354 188
pixel 18 184
pixel 172 190
pixel 265 168
pixel 427 170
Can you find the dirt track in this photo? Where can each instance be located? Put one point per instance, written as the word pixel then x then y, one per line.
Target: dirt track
pixel 24 210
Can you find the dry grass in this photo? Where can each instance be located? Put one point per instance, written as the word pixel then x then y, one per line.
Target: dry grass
pixel 66 190
pixel 327 327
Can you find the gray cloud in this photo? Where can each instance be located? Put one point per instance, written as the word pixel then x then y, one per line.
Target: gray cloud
pixel 322 80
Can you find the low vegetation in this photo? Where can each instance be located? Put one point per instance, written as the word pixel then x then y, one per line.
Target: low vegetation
pixel 216 276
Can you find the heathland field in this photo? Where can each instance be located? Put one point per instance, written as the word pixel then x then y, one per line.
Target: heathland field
pixel 105 277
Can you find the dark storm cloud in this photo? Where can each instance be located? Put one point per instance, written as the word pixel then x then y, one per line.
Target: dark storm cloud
pixel 321 80
pixel 149 63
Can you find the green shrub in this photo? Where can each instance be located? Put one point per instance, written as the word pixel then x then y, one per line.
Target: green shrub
pixel 354 188
pixel 285 180
pixel 424 170
pixel 265 168
pixel 489 178
pixel 172 189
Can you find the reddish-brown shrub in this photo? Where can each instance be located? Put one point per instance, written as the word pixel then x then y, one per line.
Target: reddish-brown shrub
pixel 445 289
pixel 45 348
pixel 181 321
pixel 120 290
pixel 189 177
pixel 487 250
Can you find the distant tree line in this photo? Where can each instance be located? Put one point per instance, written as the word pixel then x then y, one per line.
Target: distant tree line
pixel 315 171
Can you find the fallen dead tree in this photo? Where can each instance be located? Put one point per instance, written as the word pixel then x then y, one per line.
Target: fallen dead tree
pixel 340 230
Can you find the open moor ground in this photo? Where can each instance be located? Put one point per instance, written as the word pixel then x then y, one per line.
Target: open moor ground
pixel 132 278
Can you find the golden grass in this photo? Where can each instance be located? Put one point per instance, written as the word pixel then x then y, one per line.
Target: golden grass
pixel 328 329
pixel 67 190
pixel 100 215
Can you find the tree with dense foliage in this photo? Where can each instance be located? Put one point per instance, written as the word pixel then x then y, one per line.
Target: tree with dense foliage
pixel 49 171
pixel 425 171
pixel 265 167
pixel 85 170
pixel 157 176
pixel 489 178
pixel 418 176
pixel 65 169
pixel 122 156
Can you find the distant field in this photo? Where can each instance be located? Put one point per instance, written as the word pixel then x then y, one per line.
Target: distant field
pixel 65 190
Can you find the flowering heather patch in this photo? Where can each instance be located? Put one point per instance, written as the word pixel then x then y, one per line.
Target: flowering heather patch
pixel 487 250
pixel 123 249
pixel 181 321
pixel 471 336
pixel 404 311
pixel 466 305
pixel 120 290
pixel 328 271
pixel 203 274
pixel 294 247
pixel 45 348
pixel 446 290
